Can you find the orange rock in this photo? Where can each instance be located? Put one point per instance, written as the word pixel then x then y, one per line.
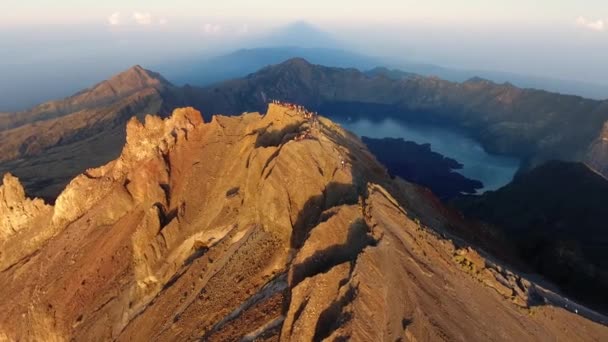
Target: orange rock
pixel 228 230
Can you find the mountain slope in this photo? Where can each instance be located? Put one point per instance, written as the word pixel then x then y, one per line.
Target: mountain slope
pixel 123 85
pixel 65 137
pixel 160 245
pixel 556 216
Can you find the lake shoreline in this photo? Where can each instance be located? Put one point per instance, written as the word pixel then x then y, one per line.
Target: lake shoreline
pixel 494 171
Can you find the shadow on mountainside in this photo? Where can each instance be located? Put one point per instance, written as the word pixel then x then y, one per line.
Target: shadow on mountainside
pixel 359 237
pixel 275 137
pixel 333 195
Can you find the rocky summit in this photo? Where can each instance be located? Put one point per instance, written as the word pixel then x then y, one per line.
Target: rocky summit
pixel 255 227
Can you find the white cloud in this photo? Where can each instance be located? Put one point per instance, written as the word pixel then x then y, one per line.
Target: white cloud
pixel 594 25
pixel 114 19
pixel 142 18
pixel 136 18
pixel 211 28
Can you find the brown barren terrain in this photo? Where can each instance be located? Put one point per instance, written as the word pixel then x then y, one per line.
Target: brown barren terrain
pixel 250 228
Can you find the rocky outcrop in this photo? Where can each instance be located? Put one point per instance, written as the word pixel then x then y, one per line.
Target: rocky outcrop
pixel 249 228
pixel 23 222
pixel 148 143
pixel 16 210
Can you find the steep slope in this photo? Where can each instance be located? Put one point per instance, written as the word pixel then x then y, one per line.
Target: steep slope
pixel 246 228
pixel 556 215
pixel 120 86
pixel 24 223
pixel 67 136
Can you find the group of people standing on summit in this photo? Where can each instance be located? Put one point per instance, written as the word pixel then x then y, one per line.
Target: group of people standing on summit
pixel 313 119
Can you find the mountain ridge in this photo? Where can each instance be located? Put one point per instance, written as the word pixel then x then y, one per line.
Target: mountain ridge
pixel 278 251
pixel 505 119
pixel 534 126
pixel 83 130
pixel 122 84
pixel 208 70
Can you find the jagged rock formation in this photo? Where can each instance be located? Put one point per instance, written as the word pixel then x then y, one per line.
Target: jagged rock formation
pixel 16 209
pixel 240 229
pixel 24 223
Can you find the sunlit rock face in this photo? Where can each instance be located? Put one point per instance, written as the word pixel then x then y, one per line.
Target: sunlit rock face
pixel 254 227
pixel 24 222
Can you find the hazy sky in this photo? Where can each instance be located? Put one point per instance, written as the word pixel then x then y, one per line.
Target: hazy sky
pixel 84 40
pixel 443 11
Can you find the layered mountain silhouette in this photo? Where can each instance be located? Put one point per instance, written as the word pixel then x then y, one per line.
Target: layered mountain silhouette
pixel 535 126
pixel 205 71
pixel 308 238
pixel 299 33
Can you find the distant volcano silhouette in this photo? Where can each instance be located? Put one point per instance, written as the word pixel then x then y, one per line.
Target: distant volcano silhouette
pixel 300 33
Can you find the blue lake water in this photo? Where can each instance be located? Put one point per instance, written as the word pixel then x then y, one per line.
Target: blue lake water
pixel 492 170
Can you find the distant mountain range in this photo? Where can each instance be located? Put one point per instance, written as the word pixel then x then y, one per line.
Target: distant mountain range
pixel 564 86
pixel 200 64
pixel 201 71
pixel 206 71
pixel 532 125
